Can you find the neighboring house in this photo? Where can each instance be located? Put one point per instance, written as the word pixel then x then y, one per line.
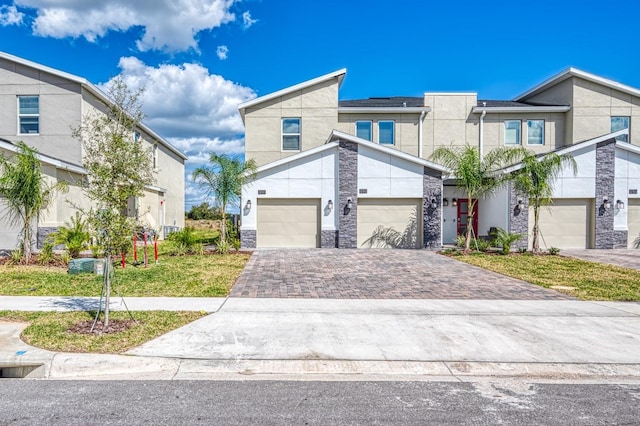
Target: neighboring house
pixel 41 106
pixel 317 154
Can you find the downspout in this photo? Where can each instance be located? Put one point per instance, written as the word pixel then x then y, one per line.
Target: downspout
pixel 422 115
pixel 481 141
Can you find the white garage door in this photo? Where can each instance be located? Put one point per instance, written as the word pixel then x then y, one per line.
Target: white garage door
pixel 566 224
pixel 288 223
pixel 392 222
pixel 634 220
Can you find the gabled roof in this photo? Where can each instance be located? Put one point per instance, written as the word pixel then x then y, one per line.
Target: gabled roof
pixel 336 74
pixel 337 135
pixel 91 88
pixel 574 72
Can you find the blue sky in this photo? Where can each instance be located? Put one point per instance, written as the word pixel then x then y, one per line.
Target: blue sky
pixel 199 58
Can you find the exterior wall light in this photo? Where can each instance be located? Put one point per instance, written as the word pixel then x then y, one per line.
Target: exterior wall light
pixel 248 205
pixel 445 202
pixel 349 204
pixel 605 203
pixel 434 204
pixel 519 204
pixel 454 202
pixel 619 204
pixel 330 205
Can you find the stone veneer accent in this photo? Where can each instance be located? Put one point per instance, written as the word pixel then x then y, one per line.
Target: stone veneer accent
pixel 606 237
pixel 248 238
pixel 518 217
pixel 328 239
pixel 348 189
pixel 431 217
pixel 43 233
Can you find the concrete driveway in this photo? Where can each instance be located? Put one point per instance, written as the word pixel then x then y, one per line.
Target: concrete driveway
pixel 376 274
pixel 625 258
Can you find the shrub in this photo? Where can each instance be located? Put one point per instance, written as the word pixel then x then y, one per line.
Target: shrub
pixel 460 240
pixel 73 235
pixel 554 251
pixel 522 250
pixel 505 239
pixel 223 247
pixel 480 244
pixel 185 241
pixel 46 254
pixel 236 244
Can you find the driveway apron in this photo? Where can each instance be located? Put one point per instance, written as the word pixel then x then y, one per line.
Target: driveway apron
pixel 376 274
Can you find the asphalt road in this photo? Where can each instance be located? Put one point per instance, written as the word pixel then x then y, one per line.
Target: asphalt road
pixel 30 402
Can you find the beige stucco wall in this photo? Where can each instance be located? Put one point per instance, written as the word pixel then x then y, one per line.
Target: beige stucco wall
pixel 450 121
pixel 554 128
pixel 317 106
pixel 406 128
pixel 60 104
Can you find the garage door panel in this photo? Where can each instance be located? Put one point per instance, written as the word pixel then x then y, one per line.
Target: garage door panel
pixel 400 214
pixel 288 223
pixel 633 218
pixel 565 224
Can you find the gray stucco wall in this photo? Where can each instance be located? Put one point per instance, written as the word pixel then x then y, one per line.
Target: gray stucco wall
pixel 432 216
pixel 605 236
pixel 348 189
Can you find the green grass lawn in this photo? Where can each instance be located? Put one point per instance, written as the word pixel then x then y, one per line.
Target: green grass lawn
pixel 592 280
pixel 49 330
pixel 189 276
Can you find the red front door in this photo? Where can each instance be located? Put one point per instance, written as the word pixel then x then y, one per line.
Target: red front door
pixel 463 217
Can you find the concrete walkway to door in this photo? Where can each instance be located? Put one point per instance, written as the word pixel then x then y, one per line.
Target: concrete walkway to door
pixel 376 274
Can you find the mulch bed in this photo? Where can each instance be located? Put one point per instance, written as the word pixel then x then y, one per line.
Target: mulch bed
pixel 115 326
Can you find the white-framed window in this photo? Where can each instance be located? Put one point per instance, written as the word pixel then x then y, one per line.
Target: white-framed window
pixel 154 156
pixel 386 132
pixel 512 130
pixel 28 115
pixel 620 123
pixel 535 132
pixel 291 132
pixel 364 129
pixel 136 137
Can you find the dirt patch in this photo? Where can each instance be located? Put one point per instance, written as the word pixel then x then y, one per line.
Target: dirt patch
pixel 115 326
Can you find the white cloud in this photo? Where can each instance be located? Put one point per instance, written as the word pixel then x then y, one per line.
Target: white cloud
pixel 199 149
pixel 247 21
pixel 222 52
pixel 186 101
pixel 170 25
pixel 9 15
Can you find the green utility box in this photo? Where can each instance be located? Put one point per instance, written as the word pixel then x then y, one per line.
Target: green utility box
pixel 88 266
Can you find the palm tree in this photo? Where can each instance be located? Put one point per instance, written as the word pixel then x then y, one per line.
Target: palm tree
pixel 476 176
pixel 535 180
pixel 26 192
pixel 224 180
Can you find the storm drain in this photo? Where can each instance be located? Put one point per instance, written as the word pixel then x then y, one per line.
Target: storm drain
pixel 21 371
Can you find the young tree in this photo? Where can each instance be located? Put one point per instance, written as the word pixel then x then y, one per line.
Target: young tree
pixel 535 180
pixel 224 180
pixel 475 175
pixel 118 168
pixel 26 192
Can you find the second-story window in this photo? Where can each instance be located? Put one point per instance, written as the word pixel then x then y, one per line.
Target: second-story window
pixel 136 137
pixel 291 134
pixel 364 130
pixel 154 156
pixel 620 123
pixel 535 132
pixel 386 132
pixel 512 129
pixel 28 115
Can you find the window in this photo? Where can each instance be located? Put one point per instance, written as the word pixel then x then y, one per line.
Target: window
pixel 154 156
pixel 291 134
pixel 386 132
pixel 535 132
pixel 364 130
pixel 512 132
pixel 136 137
pixel 619 123
pixel 29 115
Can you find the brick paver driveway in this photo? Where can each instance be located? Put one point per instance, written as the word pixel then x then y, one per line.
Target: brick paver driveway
pixel 375 274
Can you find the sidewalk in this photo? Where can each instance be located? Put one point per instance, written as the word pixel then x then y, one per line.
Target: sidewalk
pixel 62 304
pixel 370 340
